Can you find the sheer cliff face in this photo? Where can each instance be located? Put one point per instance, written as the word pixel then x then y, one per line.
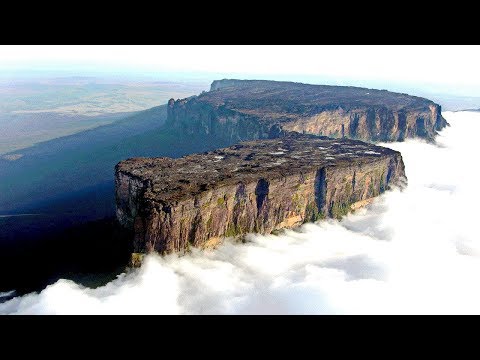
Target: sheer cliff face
pixel 258 186
pixel 240 110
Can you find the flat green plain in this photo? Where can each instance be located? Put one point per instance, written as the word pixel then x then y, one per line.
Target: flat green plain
pixel 33 112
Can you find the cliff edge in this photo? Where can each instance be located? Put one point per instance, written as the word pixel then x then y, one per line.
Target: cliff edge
pixel 257 186
pixel 240 110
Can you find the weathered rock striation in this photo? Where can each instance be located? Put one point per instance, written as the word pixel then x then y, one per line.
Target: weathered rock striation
pixel 240 110
pixel 258 186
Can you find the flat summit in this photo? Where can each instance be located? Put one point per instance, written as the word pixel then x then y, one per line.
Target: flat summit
pixel 258 186
pixel 241 110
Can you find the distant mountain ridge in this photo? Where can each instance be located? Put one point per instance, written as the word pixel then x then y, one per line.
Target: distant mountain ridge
pixel 241 110
pixel 473 110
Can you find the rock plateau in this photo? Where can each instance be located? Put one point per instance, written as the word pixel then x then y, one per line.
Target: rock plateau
pixel 282 172
pixel 258 186
pixel 240 110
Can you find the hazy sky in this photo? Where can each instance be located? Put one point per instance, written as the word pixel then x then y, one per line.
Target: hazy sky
pixel 445 68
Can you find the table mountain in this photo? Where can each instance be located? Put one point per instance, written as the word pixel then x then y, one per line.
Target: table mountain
pixel 258 186
pixel 240 110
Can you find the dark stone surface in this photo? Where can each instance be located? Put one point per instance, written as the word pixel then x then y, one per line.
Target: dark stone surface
pixel 257 186
pixel 240 110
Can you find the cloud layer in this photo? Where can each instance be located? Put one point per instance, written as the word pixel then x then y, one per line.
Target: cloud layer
pixel 412 251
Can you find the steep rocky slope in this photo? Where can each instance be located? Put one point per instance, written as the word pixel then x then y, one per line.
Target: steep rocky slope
pixel 239 110
pixel 257 186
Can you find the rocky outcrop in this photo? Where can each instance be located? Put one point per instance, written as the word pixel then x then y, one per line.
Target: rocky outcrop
pixel 259 186
pixel 239 110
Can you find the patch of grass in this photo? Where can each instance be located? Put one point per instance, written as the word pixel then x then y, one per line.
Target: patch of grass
pixel 382 182
pixel 231 230
pixel 312 213
pixel 296 201
pixel 209 223
pixel 276 232
pixel 348 188
pixel 234 230
pixel 339 210
pixel 136 260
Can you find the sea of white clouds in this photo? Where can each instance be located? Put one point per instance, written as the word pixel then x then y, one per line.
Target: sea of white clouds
pixel 415 251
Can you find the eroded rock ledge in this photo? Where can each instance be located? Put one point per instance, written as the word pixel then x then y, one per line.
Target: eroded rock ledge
pixel 240 110
pixel 257 186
